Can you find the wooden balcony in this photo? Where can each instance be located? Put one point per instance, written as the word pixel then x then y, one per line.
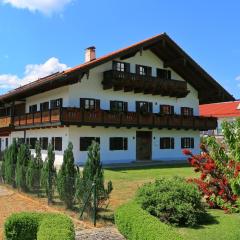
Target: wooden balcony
pixel 5 122
pixel 117 80
pixel 77 116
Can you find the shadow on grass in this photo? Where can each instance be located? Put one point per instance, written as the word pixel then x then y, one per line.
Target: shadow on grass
pixel 142 167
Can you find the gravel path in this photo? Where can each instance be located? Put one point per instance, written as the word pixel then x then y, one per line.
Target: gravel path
pixel 108 233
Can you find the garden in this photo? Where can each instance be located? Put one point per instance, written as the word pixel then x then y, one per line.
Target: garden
pixel 198 200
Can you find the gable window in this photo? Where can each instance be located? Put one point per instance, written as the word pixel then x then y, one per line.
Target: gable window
pixel 118 106
pixel 187 142
pixel 44 106
pixel 163 74
pixel 118 143
pixel 166 109
pixel 57 143
pixel 32 142
pixel 186 111
pixel 143 70
pixel 44 143
pixel 166 143
pixel 33 108
pixel 89 103
pixel 56 103
pixel 144 107
pixel 121 66
pixel 86 142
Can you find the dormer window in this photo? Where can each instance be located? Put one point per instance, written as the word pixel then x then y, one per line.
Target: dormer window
pixel 121 66
pixel 143 70
pixel 163 74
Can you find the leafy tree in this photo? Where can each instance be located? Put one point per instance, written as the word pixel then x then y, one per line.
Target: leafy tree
pixel 48 174
pixel 66 178
pixel 92 171
pixel 33 174
pixel 23 158
pixel 219 165
pixel 10 160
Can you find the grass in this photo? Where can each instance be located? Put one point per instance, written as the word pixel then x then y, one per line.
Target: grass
pixel 126 181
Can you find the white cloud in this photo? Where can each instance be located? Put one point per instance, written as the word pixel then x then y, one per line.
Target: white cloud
pixel 32 73
pixel 238 79
pixel 44 6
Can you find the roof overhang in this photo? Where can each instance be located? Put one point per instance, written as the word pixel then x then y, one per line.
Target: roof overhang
pixel 162 45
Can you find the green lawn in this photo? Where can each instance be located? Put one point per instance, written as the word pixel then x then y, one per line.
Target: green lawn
pixel 221 226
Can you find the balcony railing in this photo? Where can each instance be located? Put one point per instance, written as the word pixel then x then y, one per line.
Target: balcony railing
pixel 77 116
pixel 5 122
pixel 142 83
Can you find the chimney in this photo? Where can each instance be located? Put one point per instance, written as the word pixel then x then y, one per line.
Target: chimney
pixel 90 54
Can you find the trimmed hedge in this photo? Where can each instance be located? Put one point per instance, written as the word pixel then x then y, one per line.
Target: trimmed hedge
pixel 39 226
pixel 137 224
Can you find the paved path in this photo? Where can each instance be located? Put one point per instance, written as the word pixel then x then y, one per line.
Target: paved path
pixel 107 233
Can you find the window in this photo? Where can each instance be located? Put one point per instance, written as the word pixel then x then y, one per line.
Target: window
pixel 166 143
pixel 166 109
pixel 187 142
pixel 121 66
pixel 163 73
pixel 85 142
pixel 56 103
pixel 44 143
pixel 32 142
pixel 89 103
pixel 118 143
pixel 186 111
pixel 44 106
pixel 20 140
pixel 118 106
pixel 143 70
pixel 144 107
pixel 57 143
pixel 6 142
pixel 33 108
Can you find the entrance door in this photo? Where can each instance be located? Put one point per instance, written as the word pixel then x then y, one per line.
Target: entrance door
pixel 144 145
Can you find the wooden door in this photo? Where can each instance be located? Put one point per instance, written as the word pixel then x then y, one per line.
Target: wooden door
pixel 144 145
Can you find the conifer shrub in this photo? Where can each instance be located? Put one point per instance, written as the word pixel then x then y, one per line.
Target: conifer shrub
pixel 173 201
pixel 66 178
pixel 23 159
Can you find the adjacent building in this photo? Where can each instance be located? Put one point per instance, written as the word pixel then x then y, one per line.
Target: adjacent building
pixel 226 111
pixel 140 103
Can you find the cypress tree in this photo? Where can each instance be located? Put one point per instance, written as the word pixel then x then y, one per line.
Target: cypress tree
pixel 23 158
pixel 48 174
pixel 92 171
pixel 10 160
pixel 66 178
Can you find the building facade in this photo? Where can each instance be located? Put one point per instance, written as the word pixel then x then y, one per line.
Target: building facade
pixel 140 103
pixel 226 111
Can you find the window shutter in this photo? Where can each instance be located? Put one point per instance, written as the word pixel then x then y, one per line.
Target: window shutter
pixel 182 142
pixel 161 108
pixel 125 106
pixel 111 105
pixel 150 107
pixel 172 143
pixel 137 69
pixel 172 110
pixel 82 103
pixel 168 74
pixel 125 147
pixel 192 142
pixel 97 104
pixel 161 143
pixel 149 71
pixel 137 107
pixel 114 65
pixel 182 110
pixel 60 102
pixel 127 67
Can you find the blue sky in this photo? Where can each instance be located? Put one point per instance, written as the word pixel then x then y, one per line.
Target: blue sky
pixel 49 35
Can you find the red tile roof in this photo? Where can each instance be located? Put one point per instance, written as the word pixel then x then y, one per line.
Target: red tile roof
pixel 226 109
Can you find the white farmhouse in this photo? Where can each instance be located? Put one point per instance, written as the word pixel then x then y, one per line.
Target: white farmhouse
pixel 140 103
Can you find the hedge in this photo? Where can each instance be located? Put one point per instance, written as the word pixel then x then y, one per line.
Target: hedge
pixel 137 224
pixel 39 226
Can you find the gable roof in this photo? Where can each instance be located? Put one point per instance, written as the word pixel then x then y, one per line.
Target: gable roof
pixel 226 109
pixel 162 45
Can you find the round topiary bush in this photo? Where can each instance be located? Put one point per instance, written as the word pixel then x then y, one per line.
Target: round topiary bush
pixel 173 201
